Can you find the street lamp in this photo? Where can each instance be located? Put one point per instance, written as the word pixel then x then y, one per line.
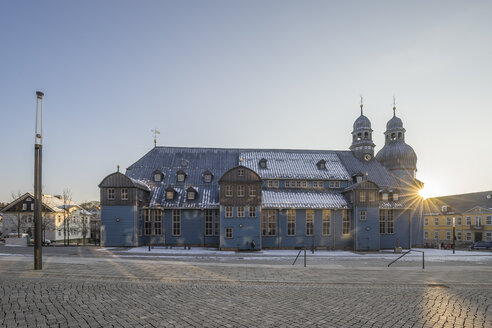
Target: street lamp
pixel 38 248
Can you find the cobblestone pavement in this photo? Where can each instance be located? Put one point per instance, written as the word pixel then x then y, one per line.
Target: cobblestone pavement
pixel 117 292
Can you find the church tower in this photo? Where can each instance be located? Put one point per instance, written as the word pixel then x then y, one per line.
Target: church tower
pixel 398 157
pixel 362 146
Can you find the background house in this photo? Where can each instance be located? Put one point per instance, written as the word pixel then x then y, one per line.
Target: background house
pixel 63 220
pixel 472 214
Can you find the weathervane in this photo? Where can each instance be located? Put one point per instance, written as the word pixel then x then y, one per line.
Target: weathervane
pixel 155 132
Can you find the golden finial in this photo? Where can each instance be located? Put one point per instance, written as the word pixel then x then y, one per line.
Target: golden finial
pixel 361 104
pixel 118 167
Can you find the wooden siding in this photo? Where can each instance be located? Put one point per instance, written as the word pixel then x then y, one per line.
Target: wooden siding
pixel 249 179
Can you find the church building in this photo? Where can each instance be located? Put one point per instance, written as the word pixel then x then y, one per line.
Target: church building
pixel 251 199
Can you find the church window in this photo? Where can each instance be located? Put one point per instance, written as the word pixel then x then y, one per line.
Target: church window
pixel 291 222
pixel 268 223
pixel 334 184
pixel 386 222
pixel 363 216
pixel 240 191
pixel 393 136
pixel 359 136
pixel 366 135
pixel 228 191
pixel 309 222
pixel 345 223
pixel 191 194
pixel 176 222
pixel 124 194
pixel 228 233
pixel 110 193
pixel 399 136
pixel 326 222
pixel 228 212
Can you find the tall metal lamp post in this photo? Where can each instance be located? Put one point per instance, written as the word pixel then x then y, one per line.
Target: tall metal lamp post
pixel 454 234
pixel 38 246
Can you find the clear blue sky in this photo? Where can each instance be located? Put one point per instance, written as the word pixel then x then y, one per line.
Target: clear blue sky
pixel 259 74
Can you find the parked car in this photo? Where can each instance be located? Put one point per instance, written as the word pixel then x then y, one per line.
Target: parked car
pixel 481 245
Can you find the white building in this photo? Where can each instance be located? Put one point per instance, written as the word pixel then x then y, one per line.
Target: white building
pixel 62 218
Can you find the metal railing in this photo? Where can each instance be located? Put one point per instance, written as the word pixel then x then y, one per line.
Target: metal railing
pixel 411 250
pixel 302 249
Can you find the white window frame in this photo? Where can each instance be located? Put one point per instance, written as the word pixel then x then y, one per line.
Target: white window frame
pixel 169 195
pixel 468 236
pixel 326 222
pixel 229 212
pixel 229 233
pixel 191 195
pixel 240 191
pixel 240 212
pixel 207 177
pixel 448 221
pixel 436 221
pixel 334 184
pixel 426 234
pixel 240 172
pixel 426 221
pixel 291 223
pixel 252 191
pixel 309 223
pixel 448 235
pixel 228 190
pixel 468 220
pixel 384 196
pixel 124 193
pixel 488 236
pixel 459 235
pixel 111 194
pixel 363 216
pixel 252 211
pixel 488 220
pixel 436 234
pixel 157 177
pixel 459 221
pixel 176 222
pixel 181 177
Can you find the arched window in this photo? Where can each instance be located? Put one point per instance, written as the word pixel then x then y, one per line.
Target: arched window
pixel 359 136
pixel 366 135
pixel 400 135
pixel 393 136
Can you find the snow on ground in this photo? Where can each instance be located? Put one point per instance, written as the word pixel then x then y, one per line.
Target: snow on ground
pixel 435 255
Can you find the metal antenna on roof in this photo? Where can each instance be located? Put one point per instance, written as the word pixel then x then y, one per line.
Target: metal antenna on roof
pixel 361 104
pixel 155 132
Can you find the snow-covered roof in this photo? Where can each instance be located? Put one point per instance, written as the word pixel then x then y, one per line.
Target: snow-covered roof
pixel 289 198
pixel 295 165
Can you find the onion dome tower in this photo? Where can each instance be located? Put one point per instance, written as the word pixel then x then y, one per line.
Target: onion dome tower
pixel 398 157
pixel 362 146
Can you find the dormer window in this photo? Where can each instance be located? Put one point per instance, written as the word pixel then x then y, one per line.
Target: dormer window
pixel 396 196
pixel 158 176
pixel 207 176
pixel 263 163
pixel 191 193
pixel 384 196
pixel 110 193
pixel 180 176
pixel 444 208
pixel 170 193
pixel 321 164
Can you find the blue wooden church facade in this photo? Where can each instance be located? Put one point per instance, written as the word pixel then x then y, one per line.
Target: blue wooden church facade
pixel 250 199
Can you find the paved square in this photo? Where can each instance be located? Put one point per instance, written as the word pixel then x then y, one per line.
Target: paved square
pixel 112 291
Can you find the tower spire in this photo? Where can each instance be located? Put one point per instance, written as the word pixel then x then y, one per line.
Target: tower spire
pixel 394 106
pixel 361 105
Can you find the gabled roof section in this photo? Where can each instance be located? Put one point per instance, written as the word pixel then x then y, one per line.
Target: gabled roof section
pixel 461 202
pixel 366 184
pixel 118 180
pixel 50 203
pixel 295 164
pixel 376 172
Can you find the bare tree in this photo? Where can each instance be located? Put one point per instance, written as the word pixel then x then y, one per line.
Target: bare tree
pixel 47 225
pixel 67 202
pixel 20 218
